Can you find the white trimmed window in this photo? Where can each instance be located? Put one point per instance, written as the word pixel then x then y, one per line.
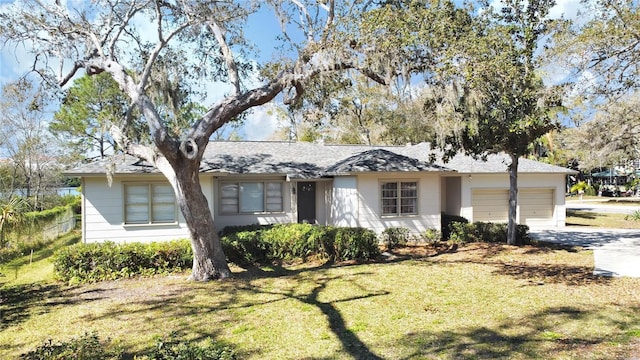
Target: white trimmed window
pixel 250 197
pixel 149 204
pixel 399 198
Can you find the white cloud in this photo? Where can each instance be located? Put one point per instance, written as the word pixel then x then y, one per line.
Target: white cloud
pixel 566 8
pixel 260 124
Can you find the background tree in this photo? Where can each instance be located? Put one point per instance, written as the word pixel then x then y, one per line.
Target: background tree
pixel 27 144
pixel 510 105
pixel 602 55
pixel 103 37
pixel 88 109
pixel 485 94
pixel 603 51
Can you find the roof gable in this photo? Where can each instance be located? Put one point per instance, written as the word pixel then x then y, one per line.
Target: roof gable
pixel 380 160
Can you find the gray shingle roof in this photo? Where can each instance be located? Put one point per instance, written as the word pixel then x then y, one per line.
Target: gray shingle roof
pixel 381 160
pixel 309 160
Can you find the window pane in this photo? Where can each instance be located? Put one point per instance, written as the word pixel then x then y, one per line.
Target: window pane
pixel 389 206
pixel 408 206
pixel 274 196
pixel 136 204
pixel 229 198
pixel 162 194
pixel 409 189
pixel 389 190
pixel 163 213
pixel 162 203
pixel 251 197
pixel 136 214
pixel 137 194
pixel 229 191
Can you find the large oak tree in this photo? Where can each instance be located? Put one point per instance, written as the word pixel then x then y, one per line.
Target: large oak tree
pixel 132 39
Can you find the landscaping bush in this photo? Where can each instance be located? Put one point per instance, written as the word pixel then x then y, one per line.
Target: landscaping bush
pixel 109 261
pixel 355 244
pixel 431 236
pixel 256 245
pixel 634 216
pixel 86 347
pixel 244 247
pixel 445 224
pixel 89 347
pixel 395 236
pixel 293 241
pixel 286 242
pixel 173 349
pixel 486 232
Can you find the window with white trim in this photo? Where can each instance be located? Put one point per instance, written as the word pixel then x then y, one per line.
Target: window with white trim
pixel 153 203
pixel 399 197
pixel 250 197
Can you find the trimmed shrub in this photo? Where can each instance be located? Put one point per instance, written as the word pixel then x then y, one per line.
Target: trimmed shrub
pixel 445 224
pixel 355 244
pixel 172 348
pixel 244 246
pixel 82 263
pixel 431 236
pixel 486 232
pixel 287 242
pixel 85 347
pixel 89 347
pixel 395 236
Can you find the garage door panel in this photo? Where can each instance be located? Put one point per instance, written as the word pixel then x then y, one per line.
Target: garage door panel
pixel 490 205
pixel 536 206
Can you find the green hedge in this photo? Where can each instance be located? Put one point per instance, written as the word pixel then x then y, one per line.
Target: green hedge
pixel 38 217
pixel 90 347
pixel 486 232
pixel 257 244
pixel 82 263
pixel 109 261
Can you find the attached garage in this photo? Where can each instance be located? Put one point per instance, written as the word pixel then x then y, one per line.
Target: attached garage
pixel 490 205
pixel 536 207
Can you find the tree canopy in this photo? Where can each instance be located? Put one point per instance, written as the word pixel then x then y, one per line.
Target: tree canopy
pixel 155 48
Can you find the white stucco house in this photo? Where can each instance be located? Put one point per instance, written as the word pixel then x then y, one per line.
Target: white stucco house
pixel 375 187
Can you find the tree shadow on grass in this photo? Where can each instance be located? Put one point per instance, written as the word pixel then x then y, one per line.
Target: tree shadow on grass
pixel 174 303
pixel 529 337
pixel 19 302
pixel 488 254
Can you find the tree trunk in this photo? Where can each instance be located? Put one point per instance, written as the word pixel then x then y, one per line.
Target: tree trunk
pixel 513 200
pixel 209 260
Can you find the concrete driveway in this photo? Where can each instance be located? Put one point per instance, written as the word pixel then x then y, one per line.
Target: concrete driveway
pixel 616 251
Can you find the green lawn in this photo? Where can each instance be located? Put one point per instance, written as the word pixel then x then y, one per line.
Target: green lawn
pixel 588 218
pixel 481 301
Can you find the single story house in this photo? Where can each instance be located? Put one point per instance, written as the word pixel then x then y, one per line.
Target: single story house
pixel 375 187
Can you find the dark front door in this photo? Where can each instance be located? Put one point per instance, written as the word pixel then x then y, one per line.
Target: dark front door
pixel 307 202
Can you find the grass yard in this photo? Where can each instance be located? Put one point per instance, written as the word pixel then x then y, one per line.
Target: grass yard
pixel 603 220
pixel 481 301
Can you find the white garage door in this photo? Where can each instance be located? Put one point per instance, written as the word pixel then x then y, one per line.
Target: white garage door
pixel 490 205
pixel 536 206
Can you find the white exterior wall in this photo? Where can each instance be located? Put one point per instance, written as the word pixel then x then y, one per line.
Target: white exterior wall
pixel 344 204
pixel 556 182
pixel 103 213
pixel 356 202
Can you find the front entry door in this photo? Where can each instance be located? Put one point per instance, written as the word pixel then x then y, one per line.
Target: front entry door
pixel 306 202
